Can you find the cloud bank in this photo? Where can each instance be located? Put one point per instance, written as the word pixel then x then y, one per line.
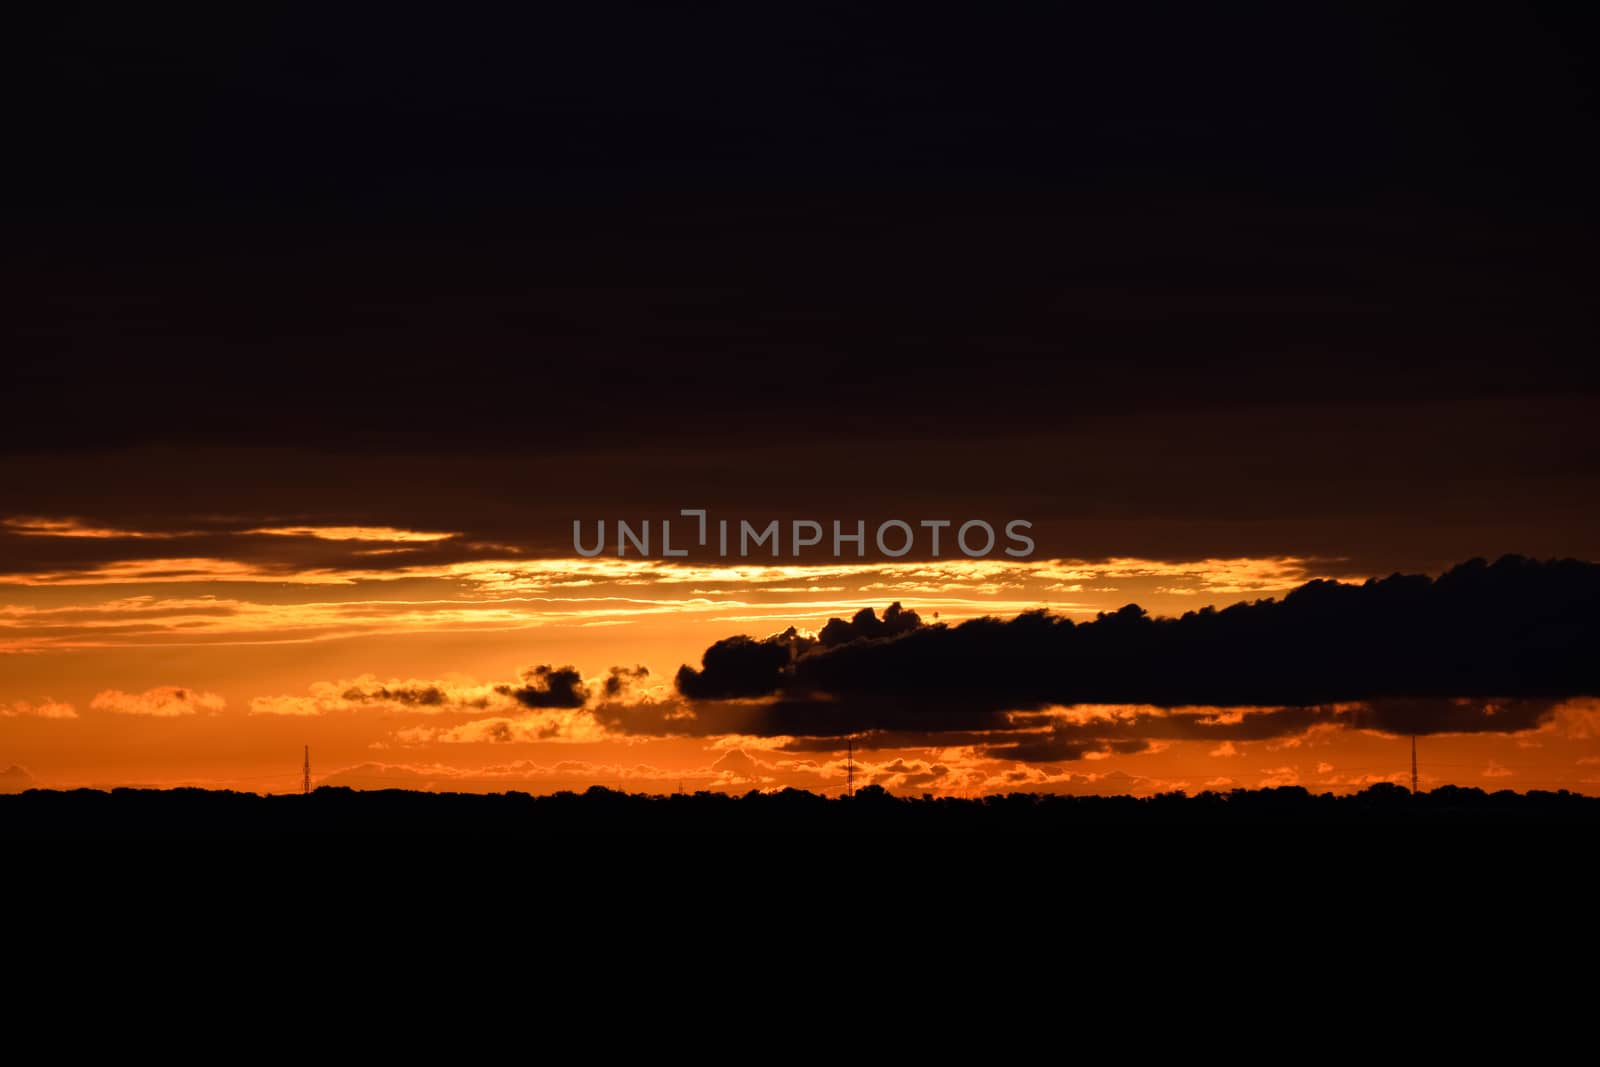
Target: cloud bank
pixel 164 701
pixel 1483 648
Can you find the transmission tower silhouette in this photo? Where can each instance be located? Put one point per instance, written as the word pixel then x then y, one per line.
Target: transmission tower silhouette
pixel 850 766
pixel 307 786
pixel 1413 763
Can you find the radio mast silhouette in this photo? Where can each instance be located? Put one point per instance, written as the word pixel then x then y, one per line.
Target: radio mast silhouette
pixel 850 765
pixel 307 786
pixel 1413 763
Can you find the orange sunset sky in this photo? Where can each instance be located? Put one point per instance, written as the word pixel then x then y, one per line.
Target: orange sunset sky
pixel 158 667
pixel 324 330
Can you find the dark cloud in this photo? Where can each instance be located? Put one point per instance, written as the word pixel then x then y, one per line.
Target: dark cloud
pixel 549 687
pixel 1518 628
pixel 742 667
pixel 621 678
pixel 681 718
pixel 1421 715
pixel 745 667
pixel 1483 648
pixel 421 696
pixel 865 624
pixel 1135 733
pixel 1038 737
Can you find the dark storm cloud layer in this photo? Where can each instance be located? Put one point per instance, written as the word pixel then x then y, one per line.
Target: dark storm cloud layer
pixel 1174 286
pixel 1367 488
pixel 1482 648
pixel 913 319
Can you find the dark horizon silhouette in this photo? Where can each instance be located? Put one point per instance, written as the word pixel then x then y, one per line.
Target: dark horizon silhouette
pixel 332 811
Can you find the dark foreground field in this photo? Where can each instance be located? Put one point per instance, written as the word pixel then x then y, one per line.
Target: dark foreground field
pixel 126 813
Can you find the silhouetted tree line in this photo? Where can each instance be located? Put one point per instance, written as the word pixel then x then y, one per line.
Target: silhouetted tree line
pixel 329 810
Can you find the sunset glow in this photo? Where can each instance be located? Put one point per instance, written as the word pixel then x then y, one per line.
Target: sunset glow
pixel 707 400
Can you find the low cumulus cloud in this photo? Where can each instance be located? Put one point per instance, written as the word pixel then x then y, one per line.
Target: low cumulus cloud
pixel 369 694
pixel 539 688
pixel 411 695
pixel 547 704
pixel 738 770
pixel 164 701
pixel 522 774
pixel 44 709
pixel 548 724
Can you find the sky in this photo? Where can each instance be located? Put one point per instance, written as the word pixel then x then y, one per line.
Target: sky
pixel 325 332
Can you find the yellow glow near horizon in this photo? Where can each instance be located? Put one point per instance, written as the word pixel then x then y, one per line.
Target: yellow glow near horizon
pixel 352 533
pixel 29 526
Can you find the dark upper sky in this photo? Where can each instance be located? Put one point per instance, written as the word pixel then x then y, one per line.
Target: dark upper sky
pixel 310 119
pixel 1290 280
